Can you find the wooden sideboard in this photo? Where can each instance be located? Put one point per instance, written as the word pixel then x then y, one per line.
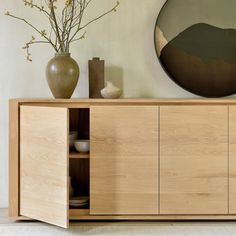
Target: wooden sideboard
pixel 150 159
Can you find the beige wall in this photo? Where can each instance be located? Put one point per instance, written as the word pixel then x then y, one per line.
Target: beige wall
pixel 172 24
pixel 124 40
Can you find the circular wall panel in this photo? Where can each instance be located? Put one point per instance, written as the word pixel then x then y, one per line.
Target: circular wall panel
pixel 195 41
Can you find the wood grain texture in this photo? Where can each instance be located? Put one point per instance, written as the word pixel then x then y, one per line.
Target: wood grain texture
pixel 232 159
pixel 86 103
pixel 13 159
pixel 205 191
pixel 77 155
pixel 124 160
pixel 83 103
pixel 44 164
pixel 193 160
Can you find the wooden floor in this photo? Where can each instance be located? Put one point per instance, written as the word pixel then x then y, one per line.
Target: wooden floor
pixel 119 228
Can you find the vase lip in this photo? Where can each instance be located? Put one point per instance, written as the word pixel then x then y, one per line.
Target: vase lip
pixel 59 54
pixel 109 83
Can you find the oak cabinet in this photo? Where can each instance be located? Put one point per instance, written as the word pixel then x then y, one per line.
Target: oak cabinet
pixel 124 160
pixel 193 160
pixel 149 159
pixel 232 159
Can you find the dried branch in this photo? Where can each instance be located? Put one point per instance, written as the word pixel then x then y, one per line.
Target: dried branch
pixel 63 29
pixel 70 23
pixel 42 32
pixel 32 5
pixel 114 9
pixel 27 47
pixel 81 37
pixel 52 8
pixel 101 16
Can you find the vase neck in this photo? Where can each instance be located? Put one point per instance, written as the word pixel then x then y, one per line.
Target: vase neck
pixel 109 83
pixel 62 54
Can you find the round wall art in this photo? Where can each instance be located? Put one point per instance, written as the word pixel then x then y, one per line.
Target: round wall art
pixel 196 43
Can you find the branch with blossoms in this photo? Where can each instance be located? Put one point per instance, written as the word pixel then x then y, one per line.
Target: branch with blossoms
pixel 65 29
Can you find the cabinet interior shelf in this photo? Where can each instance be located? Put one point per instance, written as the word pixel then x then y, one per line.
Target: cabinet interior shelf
pixel 76 213
pixel 77 155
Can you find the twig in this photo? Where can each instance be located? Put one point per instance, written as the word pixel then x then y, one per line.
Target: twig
pixel 29 24
pixel 65 28
pixel 56 25
pixel 81 37
pixel 71 22
pixel 97 18
pixel 27 47
pixel 32 5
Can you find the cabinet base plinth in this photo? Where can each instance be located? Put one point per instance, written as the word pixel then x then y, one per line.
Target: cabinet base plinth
pixel 85 216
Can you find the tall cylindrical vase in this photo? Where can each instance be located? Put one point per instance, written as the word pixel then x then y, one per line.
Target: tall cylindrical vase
pixel 62 75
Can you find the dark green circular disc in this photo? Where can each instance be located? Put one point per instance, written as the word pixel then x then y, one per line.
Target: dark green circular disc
pixel 195 41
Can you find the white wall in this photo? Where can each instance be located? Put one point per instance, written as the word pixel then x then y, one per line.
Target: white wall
pixel 124 40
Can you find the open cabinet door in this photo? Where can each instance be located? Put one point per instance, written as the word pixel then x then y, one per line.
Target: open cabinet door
pixel 44 164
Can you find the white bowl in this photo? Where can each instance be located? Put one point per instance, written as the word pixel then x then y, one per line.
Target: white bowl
pixel 72 137
pixel 82 146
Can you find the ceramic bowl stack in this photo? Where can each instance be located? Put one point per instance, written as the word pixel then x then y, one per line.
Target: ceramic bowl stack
pixel 82 146
pixel 79 201
pixel 73 136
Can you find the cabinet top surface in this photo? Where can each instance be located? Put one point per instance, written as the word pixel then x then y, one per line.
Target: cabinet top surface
pixel 134 101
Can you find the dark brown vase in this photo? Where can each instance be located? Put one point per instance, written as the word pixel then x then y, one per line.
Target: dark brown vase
pixel 62 75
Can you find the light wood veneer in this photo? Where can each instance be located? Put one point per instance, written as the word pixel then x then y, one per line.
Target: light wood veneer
pixel 175 155
pixel 44 164
pixel 14 159
pixel 193 160
pixel 124 160
pixel 232 159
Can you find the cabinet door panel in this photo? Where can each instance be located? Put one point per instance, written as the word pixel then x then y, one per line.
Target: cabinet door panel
pixel 193 160
pixel 44 164
pixel 124 160
pixel 232 159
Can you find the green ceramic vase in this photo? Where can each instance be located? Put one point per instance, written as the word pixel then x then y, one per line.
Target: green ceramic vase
pixel 62 74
